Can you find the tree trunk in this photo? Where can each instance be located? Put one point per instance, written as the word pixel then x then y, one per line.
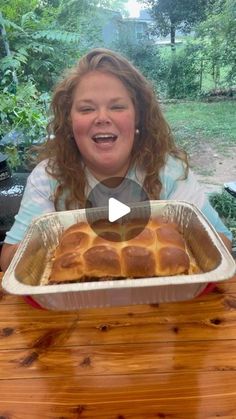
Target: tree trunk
pixel 172 36
pixel 6 45
pixel 201 74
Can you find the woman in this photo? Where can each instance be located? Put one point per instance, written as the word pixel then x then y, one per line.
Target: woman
pixel 107 123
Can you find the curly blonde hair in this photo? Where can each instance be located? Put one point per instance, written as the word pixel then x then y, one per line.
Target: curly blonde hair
pixel 151 146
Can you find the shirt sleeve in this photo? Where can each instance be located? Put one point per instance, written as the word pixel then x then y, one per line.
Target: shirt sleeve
pixel 36 200
pixel 189 189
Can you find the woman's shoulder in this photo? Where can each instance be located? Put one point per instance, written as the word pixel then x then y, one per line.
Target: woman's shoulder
pixel 171 175
pixel 173 168
pixel 40 176
pixel 40 170
pixel 40 167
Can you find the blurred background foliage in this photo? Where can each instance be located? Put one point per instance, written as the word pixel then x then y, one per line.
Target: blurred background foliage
pixel 39 39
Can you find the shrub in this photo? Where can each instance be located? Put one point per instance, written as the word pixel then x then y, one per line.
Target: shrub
pixel 23 117
pixel 225 205
pixel 182 75
pixel 144 56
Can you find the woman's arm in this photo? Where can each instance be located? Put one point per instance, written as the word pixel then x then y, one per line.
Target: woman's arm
pixel 7 253
pixel 36 201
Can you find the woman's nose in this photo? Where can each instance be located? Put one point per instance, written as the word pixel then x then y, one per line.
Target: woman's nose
pixel 102 117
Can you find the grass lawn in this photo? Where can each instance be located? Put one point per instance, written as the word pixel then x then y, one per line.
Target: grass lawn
pixel 192 122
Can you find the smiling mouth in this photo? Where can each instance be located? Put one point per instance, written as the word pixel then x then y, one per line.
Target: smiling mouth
pixel 104 138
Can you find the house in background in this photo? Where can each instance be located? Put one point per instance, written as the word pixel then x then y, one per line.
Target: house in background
pixel 133 30
pixel 111 22
pixel 121 29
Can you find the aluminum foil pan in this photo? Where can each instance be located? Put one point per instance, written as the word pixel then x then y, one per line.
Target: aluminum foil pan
pixel 31 265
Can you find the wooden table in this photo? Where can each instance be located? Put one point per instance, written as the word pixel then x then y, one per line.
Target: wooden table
pixel 148 361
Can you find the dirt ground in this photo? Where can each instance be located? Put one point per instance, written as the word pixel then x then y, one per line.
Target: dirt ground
pixel 214 167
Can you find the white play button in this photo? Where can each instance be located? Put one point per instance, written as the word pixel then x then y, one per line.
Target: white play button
pixel 116 209
pixel 116 198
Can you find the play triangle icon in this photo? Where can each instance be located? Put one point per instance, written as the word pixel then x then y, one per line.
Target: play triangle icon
pixel 116 209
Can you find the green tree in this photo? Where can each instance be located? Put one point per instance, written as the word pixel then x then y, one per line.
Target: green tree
pixel 171 15
pixel 14 9
pixel 145 56
pixel 45 36
pixel 30 48
pixel 219 45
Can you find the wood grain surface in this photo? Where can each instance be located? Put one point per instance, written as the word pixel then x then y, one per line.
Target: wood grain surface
pixel 171 361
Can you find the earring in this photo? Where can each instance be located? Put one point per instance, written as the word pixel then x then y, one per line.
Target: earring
pixel 137 132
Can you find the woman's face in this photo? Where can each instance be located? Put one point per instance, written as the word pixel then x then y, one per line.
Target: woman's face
pixel 103 124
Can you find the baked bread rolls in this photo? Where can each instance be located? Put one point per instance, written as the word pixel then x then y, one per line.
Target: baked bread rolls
pixel 119 251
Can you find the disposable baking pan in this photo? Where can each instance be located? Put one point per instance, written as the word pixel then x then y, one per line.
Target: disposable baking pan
pixel 31 265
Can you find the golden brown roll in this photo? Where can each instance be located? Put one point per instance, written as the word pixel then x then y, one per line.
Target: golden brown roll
pixel 157 250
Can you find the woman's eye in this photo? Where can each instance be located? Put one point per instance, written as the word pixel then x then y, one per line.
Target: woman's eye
pixel 86 110
pixel 119 107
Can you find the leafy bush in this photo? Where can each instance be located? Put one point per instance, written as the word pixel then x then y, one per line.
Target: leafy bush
pixel 23 117
pixel 182 73
pixel 173 74
pixel 225 205
pixel 146 57
pixel 24 111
